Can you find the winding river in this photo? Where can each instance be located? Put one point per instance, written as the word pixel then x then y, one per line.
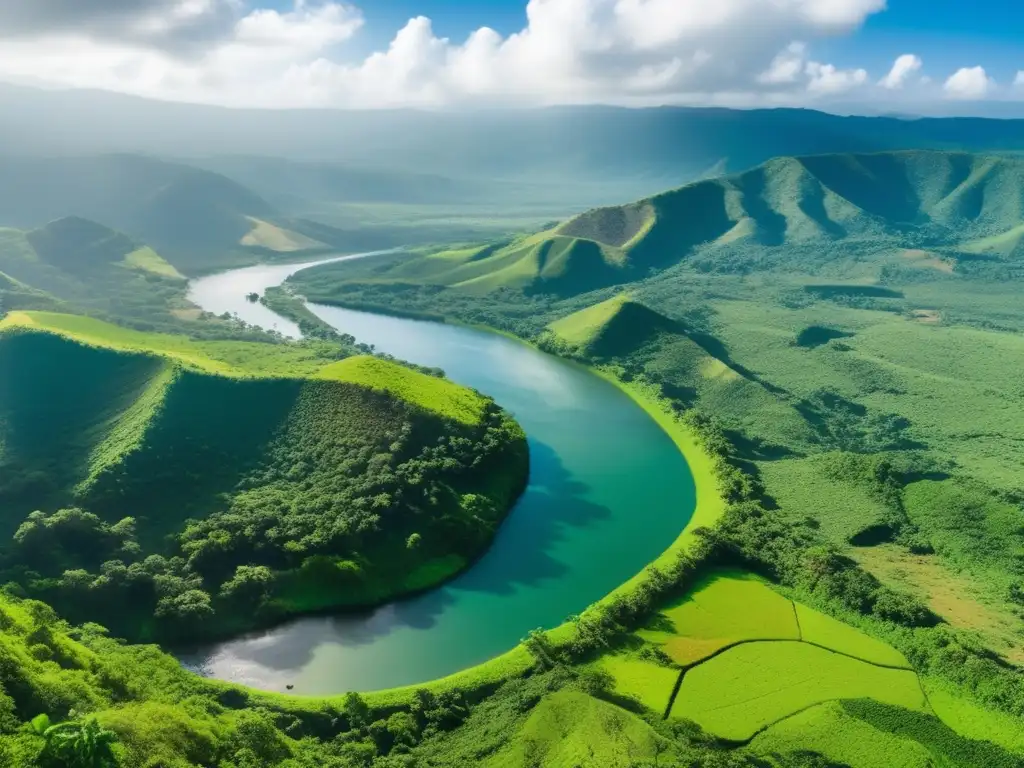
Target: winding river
pixel 608 492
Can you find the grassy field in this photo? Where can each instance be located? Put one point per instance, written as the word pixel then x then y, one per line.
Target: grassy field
pixel 832 732
pixel 736 694
pixel 266 235
pixel 750 657
pixel 724 609
pixel 648 682
pixel 819 629
pixel 974 721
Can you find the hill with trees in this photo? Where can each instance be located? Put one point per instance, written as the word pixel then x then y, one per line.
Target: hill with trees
pixel 77 263
pixel 176 489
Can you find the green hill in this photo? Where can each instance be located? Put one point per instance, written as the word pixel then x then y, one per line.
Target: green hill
pixel 224 457
pixel 936 199
pixel 78 245
pixel 198 219
pixel 613 328
pixel 90 267
pixel 791 213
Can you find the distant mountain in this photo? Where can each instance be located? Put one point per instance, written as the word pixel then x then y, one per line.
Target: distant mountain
pixel 938 207
pixel 653 148
pixel 305 185
pixel 198 219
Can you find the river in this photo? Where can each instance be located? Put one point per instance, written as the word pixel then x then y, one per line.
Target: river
pixel 608 492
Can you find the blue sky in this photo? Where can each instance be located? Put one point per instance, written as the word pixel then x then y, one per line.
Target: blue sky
pixel 962 56
pixel 949 33
pixel 946 33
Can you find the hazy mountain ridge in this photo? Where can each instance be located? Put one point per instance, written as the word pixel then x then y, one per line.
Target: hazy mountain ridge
pixel 936 208
pixel 659 146
pixel 197 218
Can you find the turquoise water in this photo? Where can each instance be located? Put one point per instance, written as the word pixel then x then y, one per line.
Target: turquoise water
pixel 608 492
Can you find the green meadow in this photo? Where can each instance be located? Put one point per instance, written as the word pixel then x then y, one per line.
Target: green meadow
pixel 751 686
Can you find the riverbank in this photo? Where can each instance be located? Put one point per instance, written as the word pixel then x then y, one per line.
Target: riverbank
pixel 478 681
pixel 609 491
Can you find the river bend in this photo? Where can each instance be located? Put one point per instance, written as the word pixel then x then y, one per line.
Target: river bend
pixel 608 492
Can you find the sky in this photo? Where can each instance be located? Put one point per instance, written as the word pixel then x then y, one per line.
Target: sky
pixel 911 56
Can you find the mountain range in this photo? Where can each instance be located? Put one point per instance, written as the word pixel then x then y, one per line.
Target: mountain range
pixel 939 207
pixel 656 147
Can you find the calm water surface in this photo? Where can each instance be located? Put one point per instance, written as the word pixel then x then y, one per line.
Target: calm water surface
pixel 608 492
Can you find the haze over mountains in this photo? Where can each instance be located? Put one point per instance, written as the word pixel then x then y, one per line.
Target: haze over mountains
pixel 648 148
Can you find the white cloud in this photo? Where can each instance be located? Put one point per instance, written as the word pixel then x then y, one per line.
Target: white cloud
pixel 902 70
pixel 1019 81
pixel 969 83
pixel 827 79
pixel 786 67
pixel 570 51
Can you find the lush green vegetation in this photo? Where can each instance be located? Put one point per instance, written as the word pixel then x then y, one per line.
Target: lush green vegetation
pixel 198 488
pixel 839 330
pixel 835 370
pixel 738 693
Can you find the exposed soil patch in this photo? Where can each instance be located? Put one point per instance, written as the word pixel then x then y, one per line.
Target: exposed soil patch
pixel 928 260
pixel 952 596
pixel 930 316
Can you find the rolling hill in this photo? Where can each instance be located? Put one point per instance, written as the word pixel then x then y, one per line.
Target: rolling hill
pixel 199 220
pixel 931 199
pixel 235 447
pixel 87 265
pixel 960 205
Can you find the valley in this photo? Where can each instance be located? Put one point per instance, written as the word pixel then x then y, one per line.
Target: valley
pixel 604 499
pixel 417 467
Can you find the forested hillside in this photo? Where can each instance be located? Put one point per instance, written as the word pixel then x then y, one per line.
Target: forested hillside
pixel 173 489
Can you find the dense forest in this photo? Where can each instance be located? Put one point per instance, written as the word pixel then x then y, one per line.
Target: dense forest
pixel 168 503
